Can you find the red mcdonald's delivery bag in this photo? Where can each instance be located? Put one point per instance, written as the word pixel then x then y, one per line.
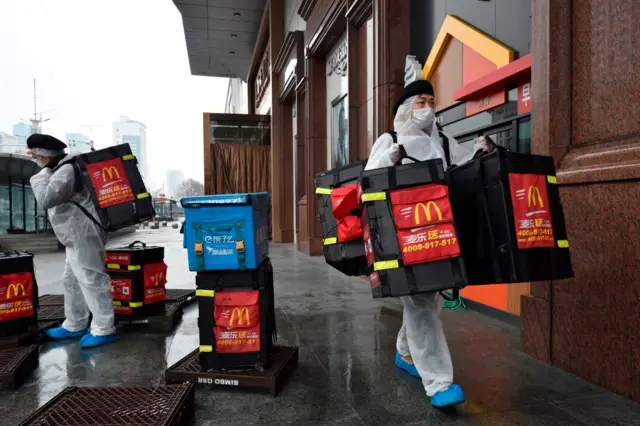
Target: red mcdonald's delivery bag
pixel 237 321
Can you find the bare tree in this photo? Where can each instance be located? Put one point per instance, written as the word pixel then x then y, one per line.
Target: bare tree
pixel 190 188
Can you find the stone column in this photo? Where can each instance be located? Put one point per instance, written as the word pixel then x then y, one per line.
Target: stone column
pixel 586 115
pixel 281 152
pixel 392 43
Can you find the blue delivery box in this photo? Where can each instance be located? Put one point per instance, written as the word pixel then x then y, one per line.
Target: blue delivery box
pixel 227 231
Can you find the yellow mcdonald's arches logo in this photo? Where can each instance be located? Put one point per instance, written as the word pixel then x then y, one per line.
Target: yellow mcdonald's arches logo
pixel 237 314
pixel 16 287
pixel 157 278
pixel 110 171
pixel 427 211
pixel 531 197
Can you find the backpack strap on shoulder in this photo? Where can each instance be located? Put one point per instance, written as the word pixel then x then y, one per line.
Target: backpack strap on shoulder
pixel 394 135
pixel 79 187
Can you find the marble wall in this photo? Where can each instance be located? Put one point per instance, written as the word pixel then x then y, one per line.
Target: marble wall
pixel 586 114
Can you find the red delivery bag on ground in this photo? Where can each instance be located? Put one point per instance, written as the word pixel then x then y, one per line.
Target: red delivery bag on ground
pixel 138 279
pixel 18 294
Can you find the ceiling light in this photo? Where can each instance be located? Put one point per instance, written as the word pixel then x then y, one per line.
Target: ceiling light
pixel 231 52
pixel 236 14
pixel 234 35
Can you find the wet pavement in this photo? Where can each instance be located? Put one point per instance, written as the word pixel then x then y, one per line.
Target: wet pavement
pixel 346 374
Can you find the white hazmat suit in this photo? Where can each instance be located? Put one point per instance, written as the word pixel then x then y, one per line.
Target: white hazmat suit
pixel 421 336
pixel 86 286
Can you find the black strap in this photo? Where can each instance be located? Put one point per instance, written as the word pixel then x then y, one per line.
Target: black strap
pixel 89 215
pixel 394 136
pixel 447 148
pixel 78 187
pixel 455 295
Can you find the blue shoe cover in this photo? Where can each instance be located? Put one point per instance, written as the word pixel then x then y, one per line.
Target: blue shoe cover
pixel 451 395
pixel 91 341
pixel 60 333
pixel 406 364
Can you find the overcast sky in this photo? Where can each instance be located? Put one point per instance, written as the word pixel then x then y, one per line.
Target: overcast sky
pixel 95 60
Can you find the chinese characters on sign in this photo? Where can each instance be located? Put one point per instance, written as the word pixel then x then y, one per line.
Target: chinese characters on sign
pixel 428 244
pixel 110 182
pixel 524 98
pixel 531 211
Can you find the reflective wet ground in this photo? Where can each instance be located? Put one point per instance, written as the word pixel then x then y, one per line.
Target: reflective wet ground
pixel 346 374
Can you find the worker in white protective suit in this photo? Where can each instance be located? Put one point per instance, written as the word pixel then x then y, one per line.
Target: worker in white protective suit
pixel 422 349
pixel 87 288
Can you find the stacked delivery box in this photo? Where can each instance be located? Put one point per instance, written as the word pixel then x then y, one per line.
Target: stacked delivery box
pixel 337 192
pixel 226 237
pixel 18 293
pixel 138 278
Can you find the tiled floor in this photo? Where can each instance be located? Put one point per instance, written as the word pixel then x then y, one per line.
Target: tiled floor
pixel 346 374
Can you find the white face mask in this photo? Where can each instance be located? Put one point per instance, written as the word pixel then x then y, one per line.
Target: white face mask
pixel 39 163
pixel 423 118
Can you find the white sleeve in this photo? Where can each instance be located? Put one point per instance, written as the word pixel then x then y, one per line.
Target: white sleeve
pixel 52 189
pixel 379 156
pixel 459 154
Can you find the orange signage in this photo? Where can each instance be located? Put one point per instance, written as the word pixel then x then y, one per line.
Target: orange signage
pixel 427 211
pixel 111 170
pixel 237 314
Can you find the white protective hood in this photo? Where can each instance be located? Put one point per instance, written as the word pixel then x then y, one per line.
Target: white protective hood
pixel 418 144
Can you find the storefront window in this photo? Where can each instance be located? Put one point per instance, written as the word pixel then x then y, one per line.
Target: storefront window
pixel 30 213
pixel 524 136
pixel 17 205
pixel 340 133
pixel 5 211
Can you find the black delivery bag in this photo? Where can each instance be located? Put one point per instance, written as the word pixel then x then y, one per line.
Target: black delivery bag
pixel 509 219
pixel 138 279
pixel 236 318
pixel 409 232
pixel 18 293
pixel 116 187
pixel 337 192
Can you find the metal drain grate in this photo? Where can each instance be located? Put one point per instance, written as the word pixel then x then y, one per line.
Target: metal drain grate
pixel 157 406
pixel 51 300
pixel 175 295
pixel 28 337
pixel 10 359
pixel 51 313
pixel 191 364
pixel 16 364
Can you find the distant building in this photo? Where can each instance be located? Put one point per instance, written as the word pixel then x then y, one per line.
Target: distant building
pixel 21 132
pixel 77 143
pixel 10 144
pixel 237 98
pixel 174 180
pixel 135 134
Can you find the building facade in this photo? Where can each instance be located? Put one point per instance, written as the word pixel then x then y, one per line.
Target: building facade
pixel 77 143
pixel 236 102
pixel 174 180
pixel 537 75
pixel 19 212
pixel 135 134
